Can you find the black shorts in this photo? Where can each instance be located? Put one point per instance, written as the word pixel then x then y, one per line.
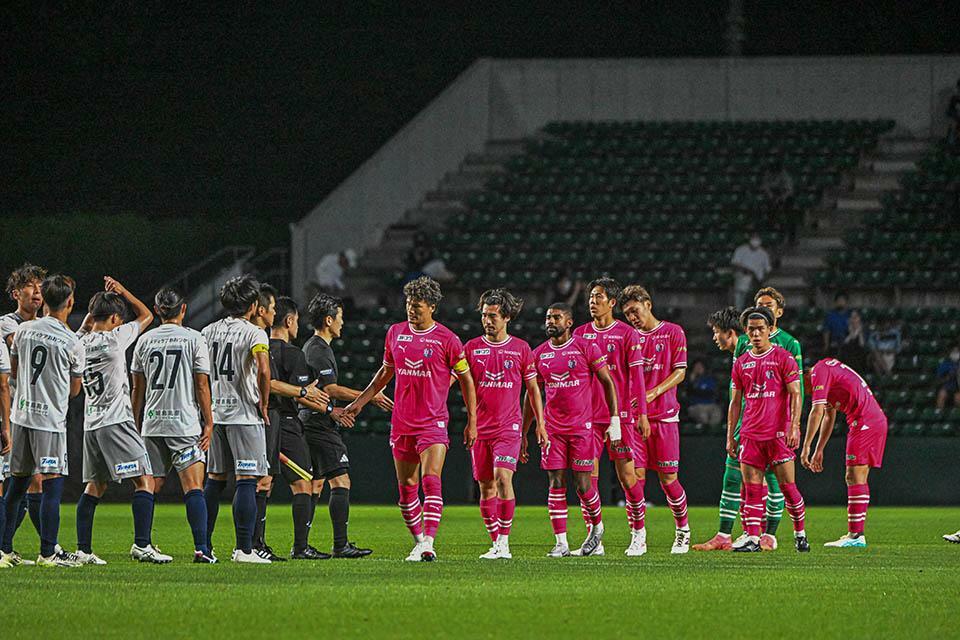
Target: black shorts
pixel 294 446
pixel 272 431
pixel 328 453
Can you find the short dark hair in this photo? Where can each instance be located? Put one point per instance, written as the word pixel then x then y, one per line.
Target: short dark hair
pixel 561 306
pixel 773 293
pixel 634 293
pixel 425 289
pixel 286 306
pixel 56 290
pixel 509 304
pixel 750 312
pixel 610 287
pixel 238 293
pixel 839 294
pixel 168 302
pixel 104 304
pixel 323 306
pixel 25 275
pixel 726 319
pixel 267 291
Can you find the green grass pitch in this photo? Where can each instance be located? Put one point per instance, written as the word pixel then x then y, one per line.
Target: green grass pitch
pixel 905 584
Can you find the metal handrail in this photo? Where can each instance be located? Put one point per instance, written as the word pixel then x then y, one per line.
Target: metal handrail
pixel 236 253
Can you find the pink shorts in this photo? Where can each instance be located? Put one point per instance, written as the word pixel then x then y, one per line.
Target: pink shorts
pixel 568 451
pixel 866 440
pixel 409 447
pixel 764 454
pixel 661 451
pixel 490 453
pixel 624 451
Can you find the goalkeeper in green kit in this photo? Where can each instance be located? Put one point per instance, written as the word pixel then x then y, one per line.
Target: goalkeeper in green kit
pixel 728 337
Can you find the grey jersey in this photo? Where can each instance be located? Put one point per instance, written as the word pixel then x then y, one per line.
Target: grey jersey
pixel 4 358
pixel 9 323
pixel 233 344
pixel 168 357
pixel 105 378
pixel 48 355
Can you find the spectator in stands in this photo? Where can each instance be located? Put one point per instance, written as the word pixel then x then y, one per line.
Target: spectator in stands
pixel 884 345
pixel 953 112
pixel 329 271
pixel 422 260
pixel 567 289
pixel 751 264
pixel 701 389
pixel 853 351
pixel 948 379
pixel 835 325
pixel 777 186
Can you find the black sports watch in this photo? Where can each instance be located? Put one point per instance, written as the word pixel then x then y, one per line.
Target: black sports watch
pixel 303 392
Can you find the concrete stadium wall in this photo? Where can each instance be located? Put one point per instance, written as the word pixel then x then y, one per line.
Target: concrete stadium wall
pixel 509 99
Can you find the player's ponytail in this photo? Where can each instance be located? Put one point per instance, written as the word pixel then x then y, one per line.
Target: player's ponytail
pixel 168 302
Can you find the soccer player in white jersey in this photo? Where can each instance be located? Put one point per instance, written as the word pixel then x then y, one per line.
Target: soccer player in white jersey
pixel 23 287
pixel 240 371
pixel 4 431
pixel 113 449
pixel 173 408
pixel 47 360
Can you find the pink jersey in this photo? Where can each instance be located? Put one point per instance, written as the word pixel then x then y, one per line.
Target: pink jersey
pixel 621 345
pixel 499 370
pixel 763 380
pixel 567 374
pixel 422 362
pixel 841 387
pixel 664 348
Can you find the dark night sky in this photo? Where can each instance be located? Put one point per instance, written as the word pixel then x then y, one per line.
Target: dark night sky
pixel 139 107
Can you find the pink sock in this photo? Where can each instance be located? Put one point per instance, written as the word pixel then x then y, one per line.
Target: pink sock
pixel 410 508
pixel 591 504
pixel 795 506
pixel 763 524
pixel 488 511
pixel 858 499
pixel 636 505
pixel 432 504
pixel 752 508
pixel 677 499
pixel 594 482
pixel 557 508
pixel 506 508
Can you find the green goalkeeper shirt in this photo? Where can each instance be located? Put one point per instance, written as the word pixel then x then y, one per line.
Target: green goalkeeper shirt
pixel 780 338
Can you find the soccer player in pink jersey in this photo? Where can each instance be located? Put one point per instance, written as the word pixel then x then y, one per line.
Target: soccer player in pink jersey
pixel 421 353
pixel 620 344
pixel 767 379
pixel 501 366
pixel 566 366
pixel 663 348
pixel 837 387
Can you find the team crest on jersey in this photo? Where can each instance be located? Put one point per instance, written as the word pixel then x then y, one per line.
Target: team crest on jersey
pixel 404 338
pixel 428 352
pixel 769 374
pixel 610 347
pixel 571 363
pixel 659 347
pixel 508 364
pixel 643 339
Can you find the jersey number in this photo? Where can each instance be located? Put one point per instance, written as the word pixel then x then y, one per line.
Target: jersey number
pixel 38 360
pixel 223 362
pixel 93 380
pixel 156 360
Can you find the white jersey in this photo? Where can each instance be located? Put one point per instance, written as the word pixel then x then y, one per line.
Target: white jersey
pixel 48 354
pixel 168 357
pixel 9 323
pixel 233 344
pixel 105 378
pixel 4 358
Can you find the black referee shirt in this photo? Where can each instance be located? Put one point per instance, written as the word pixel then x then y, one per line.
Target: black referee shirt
pixel 287 364
pixel 323 368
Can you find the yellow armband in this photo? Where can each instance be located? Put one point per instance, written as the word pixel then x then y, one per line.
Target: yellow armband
pixel 260 348
pixel 461 367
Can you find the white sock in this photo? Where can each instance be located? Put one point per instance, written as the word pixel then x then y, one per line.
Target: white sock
pixel 800 534
pixel 600 528
pixel 503 540
pixel 428 540
pixel 418 538
pixel 723 536
pixel 562 538
pixel 686 529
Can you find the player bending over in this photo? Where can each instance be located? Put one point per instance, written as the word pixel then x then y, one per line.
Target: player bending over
pixel 767 380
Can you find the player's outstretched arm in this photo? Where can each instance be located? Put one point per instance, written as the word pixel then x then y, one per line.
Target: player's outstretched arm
pixel 138 395
pixel 346 394
pixel 796 406
pixel 201 385
pixel 144 315
pixel 610 394
pixel 4 413
pixel 315 396
pixel 376 385
pixel 733 417
pixel 469 392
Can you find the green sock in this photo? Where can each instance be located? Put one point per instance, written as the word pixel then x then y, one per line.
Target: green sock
pixel 774 503
pixel 730 496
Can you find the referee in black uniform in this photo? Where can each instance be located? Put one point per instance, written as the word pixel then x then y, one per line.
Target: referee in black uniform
pixel 328 453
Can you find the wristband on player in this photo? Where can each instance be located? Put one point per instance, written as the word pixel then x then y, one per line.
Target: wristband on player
pixel 329 409
pixel 303 392
pixel 614 429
